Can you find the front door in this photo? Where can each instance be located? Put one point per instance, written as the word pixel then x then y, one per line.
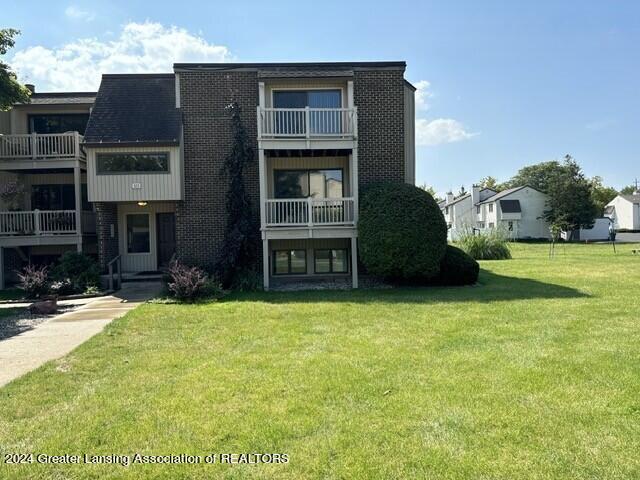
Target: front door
pixel 166 233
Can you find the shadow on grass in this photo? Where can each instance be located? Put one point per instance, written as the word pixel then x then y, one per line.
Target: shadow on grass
pixel 490 288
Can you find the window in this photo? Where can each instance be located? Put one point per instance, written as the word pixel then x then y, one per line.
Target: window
pixel 446 210
pixel 320 121
pixel 331 261
pixel 478 209
pixel 58 197
pixel 480 224
pixel 511 226
pixel 490 207
pixel 138 233
pixel 58 123
pixel 308 183
pixel 289 262
pixel 491 225
pixel 107 163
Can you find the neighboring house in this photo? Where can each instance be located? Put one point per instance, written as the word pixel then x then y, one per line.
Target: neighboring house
pixel 598 232
pixel 320 131
pixel 460 213
pixel 42 161
pixel 517 211
pixel 624 211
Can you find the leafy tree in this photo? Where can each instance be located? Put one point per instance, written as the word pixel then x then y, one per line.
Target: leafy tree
pixel 11 91
pixel 238 255
pixel 629 190
pixel 490 182
pixel 601 194
pixel 538 176
pixel 571 203
pixel 431 191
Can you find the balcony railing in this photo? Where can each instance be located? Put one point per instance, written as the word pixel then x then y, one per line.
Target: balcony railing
pixel 38 222
pixel 309 212
pixel 36 146
pixel 307 123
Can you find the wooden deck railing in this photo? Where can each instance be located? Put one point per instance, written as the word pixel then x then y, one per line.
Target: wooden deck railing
pixel 316 123
pixel 300 212
pixel 36 146
pixel 38 222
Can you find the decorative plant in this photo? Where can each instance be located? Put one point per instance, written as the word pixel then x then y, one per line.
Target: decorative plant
pixel 11 193
pixel 75 272
pixel 34 280
pixel 239 251
pixel 186 283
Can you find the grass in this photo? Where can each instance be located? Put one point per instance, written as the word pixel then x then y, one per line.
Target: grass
pixel 11 294
pixel 8 312
pixel 533 374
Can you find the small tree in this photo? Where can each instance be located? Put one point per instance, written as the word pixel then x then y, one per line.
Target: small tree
pixel 11 91
pixel 238 255
pixel 571 204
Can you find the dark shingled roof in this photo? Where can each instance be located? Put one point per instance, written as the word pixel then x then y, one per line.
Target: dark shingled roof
pixel 134 109
pixel 510 206
pixel 635 198
pixel 62 98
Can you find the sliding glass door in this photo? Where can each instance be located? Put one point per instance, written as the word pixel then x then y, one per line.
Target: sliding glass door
pixel 321 120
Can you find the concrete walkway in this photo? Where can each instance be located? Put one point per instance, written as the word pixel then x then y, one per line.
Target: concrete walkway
pixel 61 334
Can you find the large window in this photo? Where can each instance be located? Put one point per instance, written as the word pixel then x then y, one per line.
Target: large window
pixel 321 121
pixel 289 262
pixel 108 163
pixel 331 261
pixel 308 183
pixel 58 123
pixel 138 233
pixel 57 197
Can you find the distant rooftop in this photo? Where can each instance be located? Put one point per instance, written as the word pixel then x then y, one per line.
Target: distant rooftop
pixel 62 98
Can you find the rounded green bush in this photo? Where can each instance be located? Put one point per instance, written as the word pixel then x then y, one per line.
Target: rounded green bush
pixel 458 268
pixel 402 233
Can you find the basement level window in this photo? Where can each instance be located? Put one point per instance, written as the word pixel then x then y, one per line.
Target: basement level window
pixel 331 261
pixel 289 262
pixel 110 163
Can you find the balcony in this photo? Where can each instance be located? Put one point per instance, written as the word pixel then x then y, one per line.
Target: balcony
pixel 42 222
pixel 310 212
pixel 40 150
pixel 282 128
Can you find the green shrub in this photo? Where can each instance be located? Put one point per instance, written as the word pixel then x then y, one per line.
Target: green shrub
pixel 402 233
pixel 492 245
pixel 75 273
pixel 457 268
pixel 34 281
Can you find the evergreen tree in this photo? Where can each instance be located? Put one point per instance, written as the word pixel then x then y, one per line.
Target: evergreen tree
pixel 238 255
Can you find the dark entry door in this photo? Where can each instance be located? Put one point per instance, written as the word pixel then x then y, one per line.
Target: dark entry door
pixel 166 233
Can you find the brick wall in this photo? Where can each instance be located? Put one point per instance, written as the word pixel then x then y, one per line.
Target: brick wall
pixel 379 96
pixel 106 215
pixel 201 216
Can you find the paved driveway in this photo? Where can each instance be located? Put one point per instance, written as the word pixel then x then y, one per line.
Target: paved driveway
pixel 61 334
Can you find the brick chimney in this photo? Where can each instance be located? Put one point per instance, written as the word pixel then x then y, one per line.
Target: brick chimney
pixel 449 197
pixel 31 87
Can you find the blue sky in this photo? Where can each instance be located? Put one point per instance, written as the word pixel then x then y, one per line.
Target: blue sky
pixel 504 84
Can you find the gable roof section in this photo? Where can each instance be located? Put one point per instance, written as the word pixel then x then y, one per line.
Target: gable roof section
pixel 134 110
pixel 510 206
pixel 507 192
pixel 632 198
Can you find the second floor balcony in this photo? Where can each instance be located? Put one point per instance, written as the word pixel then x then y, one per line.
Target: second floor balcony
pixel 40 149
pixel 307 127
pixel 310 212
pixel 36 223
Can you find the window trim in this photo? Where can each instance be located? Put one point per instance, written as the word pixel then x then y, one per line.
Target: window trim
pixel 289 272
pixel 330 272
pixel 307 170
pixel 126 232
pixel 156 172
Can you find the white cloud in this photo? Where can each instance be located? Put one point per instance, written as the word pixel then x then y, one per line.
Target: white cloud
pixel 139 48
pixel 76 14
pixel 423 94
pixel 440 130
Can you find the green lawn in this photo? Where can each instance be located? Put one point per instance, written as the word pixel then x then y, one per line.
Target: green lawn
pixel 535 373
